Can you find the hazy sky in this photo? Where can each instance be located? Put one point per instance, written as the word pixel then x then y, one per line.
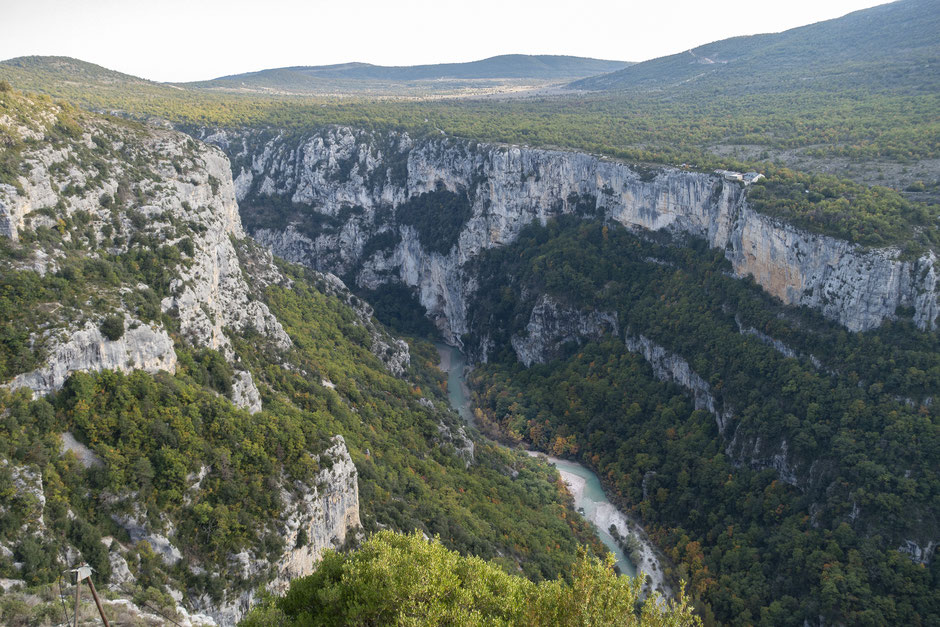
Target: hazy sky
pixel 181 40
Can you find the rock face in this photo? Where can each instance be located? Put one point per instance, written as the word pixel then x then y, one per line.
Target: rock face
pixel 211 294
pixel 314 518
pixel 667 366
pixel 920 554
pixel 94 192
pixel 244 392
pixel 146 347
pixel 552 325
pixel 345 195
pixel 320 518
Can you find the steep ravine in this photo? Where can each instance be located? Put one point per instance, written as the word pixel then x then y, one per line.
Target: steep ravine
pixel 354 203
pixel 584 485
pixel 370 207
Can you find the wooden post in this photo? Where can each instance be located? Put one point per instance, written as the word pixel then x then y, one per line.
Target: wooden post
pixel 78 593
pixel 94 593
pixel 84 572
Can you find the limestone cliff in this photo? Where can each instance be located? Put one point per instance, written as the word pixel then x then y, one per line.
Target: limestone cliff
pixel 142 347
pixel 109 190
pixel 155 213
pixel 345 201
pixel 552 325
pixel 321 518
pixel 315 518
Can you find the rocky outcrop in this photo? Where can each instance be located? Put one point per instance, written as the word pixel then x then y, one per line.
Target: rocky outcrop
pixel 142 347
pixel 315 517
pixel 139 529
pixel 321 517
pixel 349 187
pixel 85 455
pixel 919 554
pixel 244 392
pixel 668 366
pixel 457 437
pixel 552 325
pixel 211 294
pixel 94 193
pixel 30 496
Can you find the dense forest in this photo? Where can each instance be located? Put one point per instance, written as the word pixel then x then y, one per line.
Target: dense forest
pixel 799 506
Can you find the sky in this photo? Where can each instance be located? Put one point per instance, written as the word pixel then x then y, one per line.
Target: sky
pixel 186 40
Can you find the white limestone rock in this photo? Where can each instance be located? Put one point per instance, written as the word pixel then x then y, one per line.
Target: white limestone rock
pixel 244 392
pixel 326 514
pixel 513 186
pixel 146 347
pixel 188 193
pixel 139 530
pixel 84 454
pixel 919 554
pixel 552 325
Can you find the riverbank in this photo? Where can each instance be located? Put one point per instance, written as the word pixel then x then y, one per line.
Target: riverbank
pixel 589 498
pixel 583 484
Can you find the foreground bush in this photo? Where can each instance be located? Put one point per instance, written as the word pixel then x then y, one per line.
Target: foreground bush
pixel 405 580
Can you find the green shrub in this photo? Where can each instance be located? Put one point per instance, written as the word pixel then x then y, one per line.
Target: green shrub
pixel 112 327
pixel 406 580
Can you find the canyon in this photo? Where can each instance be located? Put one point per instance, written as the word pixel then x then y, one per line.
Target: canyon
pixel 344 196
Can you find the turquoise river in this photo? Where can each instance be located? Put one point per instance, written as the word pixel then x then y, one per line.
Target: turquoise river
pixel 583 484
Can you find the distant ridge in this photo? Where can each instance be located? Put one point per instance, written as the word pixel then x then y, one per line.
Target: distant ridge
pixel 60 75
pixel 891 45
pixel 67 69
pixel 510 66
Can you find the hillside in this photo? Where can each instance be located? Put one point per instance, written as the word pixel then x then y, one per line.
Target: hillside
pixel 82 81
pixel 38 73
pixel 409 580
pixel 196 419
pixel 303 79
pixel 886 47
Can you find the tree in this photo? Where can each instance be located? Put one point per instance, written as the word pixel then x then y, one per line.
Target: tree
pixel 398 579
pixel 112 327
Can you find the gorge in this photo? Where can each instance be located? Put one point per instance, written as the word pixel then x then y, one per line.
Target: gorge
pixel 344 198
pixel 586 490
pixel 485 241
pixel 361 344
